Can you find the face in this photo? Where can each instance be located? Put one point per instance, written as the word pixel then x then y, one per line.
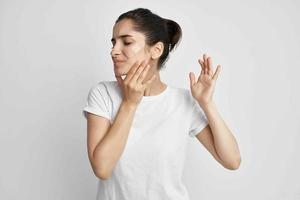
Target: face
pixel 128 46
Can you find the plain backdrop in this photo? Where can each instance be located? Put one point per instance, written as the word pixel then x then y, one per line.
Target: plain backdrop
pixel 52 52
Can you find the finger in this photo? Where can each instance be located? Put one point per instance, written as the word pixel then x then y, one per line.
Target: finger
pixel 148 61
pixel 205 63
pixel 138 71
pixel 218 70
pixel 192 78
pixel 209 66
pixel 132 71
pixel 202 64
pixel 202 68
pixel 143 74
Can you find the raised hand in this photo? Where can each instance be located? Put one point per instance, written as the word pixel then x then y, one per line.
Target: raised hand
pixel 203 89
pixel 132 86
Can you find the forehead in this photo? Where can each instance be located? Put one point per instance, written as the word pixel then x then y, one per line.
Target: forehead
pixel 125 27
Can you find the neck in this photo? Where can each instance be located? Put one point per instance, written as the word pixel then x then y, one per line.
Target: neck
pixel 156 87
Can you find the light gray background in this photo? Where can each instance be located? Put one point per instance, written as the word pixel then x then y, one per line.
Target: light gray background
pixel 52 52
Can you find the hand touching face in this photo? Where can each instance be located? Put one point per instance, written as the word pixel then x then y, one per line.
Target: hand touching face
pixel 133 85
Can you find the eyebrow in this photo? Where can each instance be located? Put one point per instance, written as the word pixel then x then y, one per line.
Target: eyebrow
pixel 121 36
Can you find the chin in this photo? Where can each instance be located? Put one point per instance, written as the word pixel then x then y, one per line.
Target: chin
pixel 120 72
pixel 121 69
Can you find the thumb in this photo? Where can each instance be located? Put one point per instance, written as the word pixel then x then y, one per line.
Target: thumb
pixel 192 78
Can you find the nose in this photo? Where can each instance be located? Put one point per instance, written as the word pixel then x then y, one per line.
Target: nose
pixel 114 51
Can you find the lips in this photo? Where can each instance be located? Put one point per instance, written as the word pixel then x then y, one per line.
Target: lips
pixel 117 61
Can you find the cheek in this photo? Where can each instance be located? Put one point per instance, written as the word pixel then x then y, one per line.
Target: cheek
pixel 131 58
pixel 134 52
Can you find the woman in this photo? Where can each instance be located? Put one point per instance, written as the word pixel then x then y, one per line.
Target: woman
pixel 138 127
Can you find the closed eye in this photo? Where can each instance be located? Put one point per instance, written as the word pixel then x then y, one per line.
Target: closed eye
pixel 126 43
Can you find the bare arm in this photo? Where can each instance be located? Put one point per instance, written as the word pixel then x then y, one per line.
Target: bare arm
pixel 225 143
pixel 206 138
pixel 108 151
pixel 106 144
pixel 218 138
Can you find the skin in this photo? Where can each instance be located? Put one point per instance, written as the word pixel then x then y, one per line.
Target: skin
pixel 135 54
pixel 216 137
pixel 106 141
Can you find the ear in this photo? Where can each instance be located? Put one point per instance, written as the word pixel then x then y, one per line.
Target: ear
pixel 157 50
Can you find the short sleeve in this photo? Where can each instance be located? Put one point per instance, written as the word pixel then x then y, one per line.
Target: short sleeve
pixel 97 102
pixel 198 119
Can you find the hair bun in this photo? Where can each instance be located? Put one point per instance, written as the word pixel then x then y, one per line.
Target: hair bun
pixel 174 32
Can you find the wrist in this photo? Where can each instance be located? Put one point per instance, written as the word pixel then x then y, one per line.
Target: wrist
pixel 207 106
pixel 129 106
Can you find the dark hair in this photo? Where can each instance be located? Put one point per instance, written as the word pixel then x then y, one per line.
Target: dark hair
pixel 155 29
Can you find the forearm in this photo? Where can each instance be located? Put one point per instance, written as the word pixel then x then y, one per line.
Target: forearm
pixel 225 143
pixel 109 150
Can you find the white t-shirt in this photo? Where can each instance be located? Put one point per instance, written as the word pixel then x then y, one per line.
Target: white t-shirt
pixel 151 165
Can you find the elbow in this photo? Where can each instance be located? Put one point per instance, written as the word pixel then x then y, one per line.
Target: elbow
pixel 234 165
pixel 100 170
pixel 101 174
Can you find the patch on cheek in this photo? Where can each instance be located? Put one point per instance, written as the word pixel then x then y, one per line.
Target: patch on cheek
pixel 123 76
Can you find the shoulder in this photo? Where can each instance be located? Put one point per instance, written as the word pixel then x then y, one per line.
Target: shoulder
pixel 104 86
pixel 183 94
pixel 108 89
